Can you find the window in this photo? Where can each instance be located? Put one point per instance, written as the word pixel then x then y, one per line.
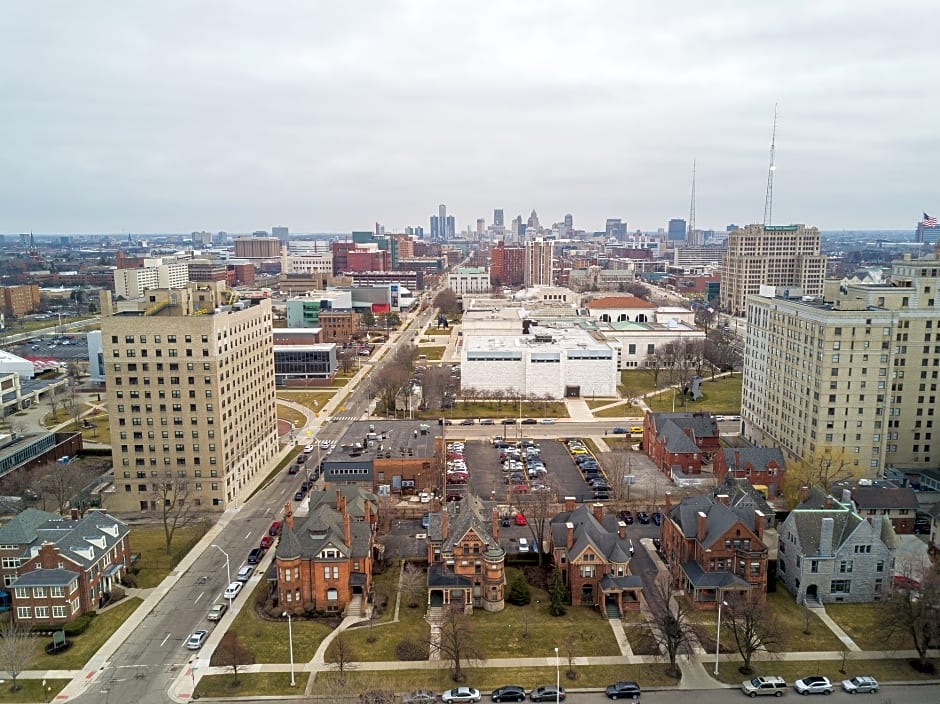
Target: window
pixel 845 566
pixel 22 612
pixel 58 612
pixel 840 586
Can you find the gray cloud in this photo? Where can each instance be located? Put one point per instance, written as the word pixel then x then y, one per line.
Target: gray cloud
pixel 175 116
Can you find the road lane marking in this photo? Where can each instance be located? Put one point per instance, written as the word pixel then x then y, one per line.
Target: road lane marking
pixel 163 642
pixel 201 594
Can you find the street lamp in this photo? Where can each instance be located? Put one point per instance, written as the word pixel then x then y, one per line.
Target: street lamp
pixel 557 678
pixel 228 569
pixel 290 641
pixel 718 634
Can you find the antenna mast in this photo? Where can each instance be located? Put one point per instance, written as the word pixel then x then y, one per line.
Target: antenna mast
pixel 769 197
pixel 692 208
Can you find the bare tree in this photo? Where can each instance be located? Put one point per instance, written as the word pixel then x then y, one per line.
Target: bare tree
pixel 171 498
pixel 412 584
pixel 458 641
pixel 669 622
pixel 53 399
pixel 619 466
pixel 822 470
pixel 914 612
pixel 18 646
pixel 447 303
pixel 538 507
pixel 571 641
pixel 62 482
pixel 231 652
pixel 342 656
pixel 754 626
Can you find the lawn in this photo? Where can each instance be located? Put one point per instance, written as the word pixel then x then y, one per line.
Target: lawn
pixel 636 382
pixel 435 331
pixel 31 690
pixel 100 430
pixel 256 684
pixel 486 679
pixel 865 627
pixel 520 631
pixel 149 543
pixel 314 400
pixel 507 409
pixel 893 670
pixel 433 354
pixel 624 410
pixel 598 402
pixel 722 395
pixel 88 643
pixel 267 640
pixel 294 417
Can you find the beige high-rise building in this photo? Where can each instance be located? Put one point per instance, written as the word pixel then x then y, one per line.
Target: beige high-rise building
pixel 785 256
pixel 190 390
pixel 855 372
pixel 538 262
pixel 257 248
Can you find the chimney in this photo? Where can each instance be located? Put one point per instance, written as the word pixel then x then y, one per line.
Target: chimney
pixel 569 535
pixel 366 511
pixel 828 501
pixel 847 494
pixel 339 498
pixel 569 504
pixel 700 527
pixel 737 459
pixel 724 499
pixel 73 512
pixel 622 530
pixel 804 493
pixel 347 529
pixel 445 523
pixel 668 501
pixel 495 525
pixel 825 537
pixel 598 509
pixel 760 520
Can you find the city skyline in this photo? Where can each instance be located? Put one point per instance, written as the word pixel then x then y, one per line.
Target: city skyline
pixel 181 118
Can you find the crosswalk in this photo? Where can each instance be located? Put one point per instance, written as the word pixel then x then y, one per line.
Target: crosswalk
pixel 336 418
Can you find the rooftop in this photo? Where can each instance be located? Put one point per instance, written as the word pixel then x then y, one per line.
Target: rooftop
pixel 386 438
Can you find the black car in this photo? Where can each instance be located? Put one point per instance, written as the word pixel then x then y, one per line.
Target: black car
pixel 299 496
pixel 254 557
pixel 643 517
pixel 623 690
pixel 508 421
pixel 509 693
pixel 548 693
pixel 657 518
pixel 627 517
pixel 529 421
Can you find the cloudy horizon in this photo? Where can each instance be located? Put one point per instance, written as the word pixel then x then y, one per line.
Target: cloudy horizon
pixel 183 116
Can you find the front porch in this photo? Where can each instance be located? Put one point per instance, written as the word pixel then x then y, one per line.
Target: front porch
pixel 706 589
pixel 620 594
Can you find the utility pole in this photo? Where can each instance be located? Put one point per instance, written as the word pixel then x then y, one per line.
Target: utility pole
pixel 769 196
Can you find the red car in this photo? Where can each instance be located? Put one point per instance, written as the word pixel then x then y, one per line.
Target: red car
pixel 266 542
pixel 520 520
pixel 275 529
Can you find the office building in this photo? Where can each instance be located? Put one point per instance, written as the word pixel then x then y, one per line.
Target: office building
pixel 281 233
pixel 481 226
pixel 507 265
pixel 183 368
pixel 469 280
pixel 20 300
pixel 155 273
pixel 257 248
pixel 783 256
pixel 538 263
pixel 450 229
pixel 854 373
pixel 616 229
pixel 676 230
pixel 498 220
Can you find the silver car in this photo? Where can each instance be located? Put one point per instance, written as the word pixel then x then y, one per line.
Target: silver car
pixel 862 683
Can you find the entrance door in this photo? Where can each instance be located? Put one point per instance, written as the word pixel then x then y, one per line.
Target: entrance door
pixel 437 597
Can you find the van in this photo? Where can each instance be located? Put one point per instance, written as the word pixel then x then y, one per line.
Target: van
pixel 244 573
pixel 760 686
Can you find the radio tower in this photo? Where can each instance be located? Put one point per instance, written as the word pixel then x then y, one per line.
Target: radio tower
pixel 689 237
pixel 769 197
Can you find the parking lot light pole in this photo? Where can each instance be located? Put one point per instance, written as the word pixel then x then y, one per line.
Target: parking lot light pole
pixel 290 642
pixel 228 569
pixel 557 677
pixel 718 633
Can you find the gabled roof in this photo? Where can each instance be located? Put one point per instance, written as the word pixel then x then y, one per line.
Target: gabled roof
pixel 719 519
pixel 758 457
pixel 807 524
pixel 46 578
pixel 871 497
pixel 21 529
pixel 603 538
pixel 471 518
pixel 323 528
pixel 671 429
pixel 82 541
pixel 741 495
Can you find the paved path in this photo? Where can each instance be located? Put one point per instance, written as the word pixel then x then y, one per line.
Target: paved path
pixel 836 629
pixel 578 409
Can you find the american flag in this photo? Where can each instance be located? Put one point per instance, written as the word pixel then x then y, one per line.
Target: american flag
pixel 929 221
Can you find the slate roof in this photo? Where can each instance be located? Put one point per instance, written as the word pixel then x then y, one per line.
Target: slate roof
pixel 473 516
pixel 807 524
pixel 701 579
pixel 718 518
pixel 758 457
pixel 631 581
pixel 438 577
pixel 742 495
pixel 869 497
pixel 82 541
pixel 322 528
pixel 588 532
pixel 670 429
pixel 46 578
pixel 21 529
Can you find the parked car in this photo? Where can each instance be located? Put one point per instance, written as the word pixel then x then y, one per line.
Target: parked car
pixel 520 520
pixel 547 421
pixel 529 421
pixel 657 518
pixel 508 421
pixel 419 696
pixel 275 529
pixel 196 639
pixel 761 686
pixel 626 516
pixel 620 431
pixel 523 545
pixel 623 690
pixel 467 421
pixel 232 590
pixel 509 693
pixel 506 522
pixel 643 517
pixel 636 430
pixel 244 573
pixel 426 520
pixel 217 612
pixel 487 421
pixel 455 497
pixel 461 694
pixel 862 683
pixel 299 496
pixel 254 557
pixel 547 693
pixel 266 542
pixel 816 684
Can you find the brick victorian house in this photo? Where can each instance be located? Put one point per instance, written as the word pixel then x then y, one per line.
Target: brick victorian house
pixel 873 498
pixel 680 443
pixel 466 565
pixel 760 466
pixel 593 552
pixel 56 568
pixel 713 550
pixel 324 560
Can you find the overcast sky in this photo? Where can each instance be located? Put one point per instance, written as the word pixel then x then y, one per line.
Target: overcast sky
pixel 329 116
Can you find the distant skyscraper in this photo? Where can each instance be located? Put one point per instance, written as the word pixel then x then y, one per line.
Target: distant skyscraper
pixel 518 227
pixel 442 219
pixel 436 229
pixel 616 228
pixel 450 231
pixel 538 263
pixel 534 220
pixel 419 232
pixel 676 232
pixel 481 226
pixel 498 218
pixel 569 220
pixel 281 233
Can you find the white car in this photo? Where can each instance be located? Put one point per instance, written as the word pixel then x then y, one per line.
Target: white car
pixel 547 421
pixel 232 590
pixel 862 683
pixel 196 640
pixel 817 684
pixel 424 497
pixel 459 695
pixel 324 444
pixel 523 545
pixel 309 448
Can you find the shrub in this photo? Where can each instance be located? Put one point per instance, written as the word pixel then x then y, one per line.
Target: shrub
pixel 79 625
pixel 408 649
pixel 519 592
pixel 129 580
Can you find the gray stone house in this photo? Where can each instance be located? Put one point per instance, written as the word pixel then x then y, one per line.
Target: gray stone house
pixel 828 553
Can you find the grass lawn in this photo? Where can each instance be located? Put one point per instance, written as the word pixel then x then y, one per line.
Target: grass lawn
pixel 486 679
pixel 31 690
pixel 314 400
pixel 621 443
pixel 294 417
pixel 722 395
pixel 260 684
pixel 791 670
pixel 267 640
pixel 636 382
pixel 624 410
pixel 488 409
pixel 593 403
pixel 87 644
pixel 433 354
pixel 100 430
pixel 149 542
pixel 592 446
pixel 435 331
pixel 862 623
